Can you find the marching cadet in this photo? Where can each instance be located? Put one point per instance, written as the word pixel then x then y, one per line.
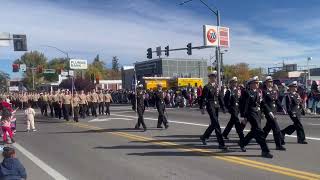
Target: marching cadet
pixel 101 102
pixel 140 108
pixel 55 99
pixel 50 96
pixel 294 105
pixel 83 104
pixel 94 100
pixel 24 100
pixel 159 101
pixel 75 106
pixel 270 103
pixel 108 99
pixel 211 98
pixel 42 105
pixel 89 101
pixel 252 112
pixel 35 98
pixel 66 105
pixel 231 101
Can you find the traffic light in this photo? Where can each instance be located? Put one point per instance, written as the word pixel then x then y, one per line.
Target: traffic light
pixel 189 49
pixel 92 78
pixel 15 67
pixel 40 69
pixel 166 50
pixel 19 42
pixel 149 53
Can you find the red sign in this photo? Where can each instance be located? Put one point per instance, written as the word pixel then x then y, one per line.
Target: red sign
pixel 224 37
pixel 212 35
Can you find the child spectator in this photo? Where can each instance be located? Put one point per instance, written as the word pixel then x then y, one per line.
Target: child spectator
pixel 11 168
pixel 30 113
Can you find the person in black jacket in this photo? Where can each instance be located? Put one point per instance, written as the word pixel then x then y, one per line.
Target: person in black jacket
pixel 213 100
pixel 231 101
pixel 293 105
pixel 11 167
pixel 140 107
pixel 161 107
pixel 252 102
pixel 270 103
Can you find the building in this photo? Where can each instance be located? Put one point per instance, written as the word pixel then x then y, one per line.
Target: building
pixel 173 68
pixel 109 84
pixel 127 76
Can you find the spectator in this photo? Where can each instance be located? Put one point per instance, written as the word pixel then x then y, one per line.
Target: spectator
pixel 11 168
pixel 30 113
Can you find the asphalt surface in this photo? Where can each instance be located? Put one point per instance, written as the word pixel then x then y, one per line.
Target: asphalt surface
pixel 106 148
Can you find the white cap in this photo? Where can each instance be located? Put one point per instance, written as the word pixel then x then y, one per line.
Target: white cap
pixel 254 79
pixel 140 85
pixel 234 79
pixel 269 78
pixel 294 83
pixel 213 73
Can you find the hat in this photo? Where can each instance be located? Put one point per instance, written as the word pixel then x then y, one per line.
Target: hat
pixel 269 79
pixel 293 84
pixel 255 79
pixel 234 79
pixel 213 73
pixel 140 86
pixel 159 85
pixel 41 93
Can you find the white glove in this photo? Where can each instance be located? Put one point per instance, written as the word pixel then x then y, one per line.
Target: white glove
pixel 271 114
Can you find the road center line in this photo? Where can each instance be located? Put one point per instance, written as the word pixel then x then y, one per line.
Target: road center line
pixel 45 167
pixel 203 125
pixel 236 160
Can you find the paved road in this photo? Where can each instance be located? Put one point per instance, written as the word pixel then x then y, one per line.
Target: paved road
pixel 108 148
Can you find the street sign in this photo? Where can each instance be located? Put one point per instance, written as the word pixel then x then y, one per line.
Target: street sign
pixel 78 64
pixel 158 51
pixel 49 71
pixel 23 67
pixel 216 36
pixel 64 73
pixel 4 39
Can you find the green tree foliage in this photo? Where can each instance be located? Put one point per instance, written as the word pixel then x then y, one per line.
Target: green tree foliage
pixel 115 64
pixel 3 81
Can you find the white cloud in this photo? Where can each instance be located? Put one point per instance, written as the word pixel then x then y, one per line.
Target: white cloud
pixel 127 35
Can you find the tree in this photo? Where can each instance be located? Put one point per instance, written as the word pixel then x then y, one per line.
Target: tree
pixel 256 72
pixel 115 63
pixel 240 70
pixel 56 64
pixel 32 59
pixel 4 77
pixel 79 83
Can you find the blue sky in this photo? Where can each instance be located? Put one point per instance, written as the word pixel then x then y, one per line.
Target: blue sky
pixel 263 33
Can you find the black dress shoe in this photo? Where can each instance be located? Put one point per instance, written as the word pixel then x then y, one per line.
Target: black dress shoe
pixel 266 155
pixel 302 142
pixel 203 140
pixel 166 126
pixel 159 126
pixel 225 137
pixel 144 129
pixel 281 148
pixel 223 147
pixel 242 147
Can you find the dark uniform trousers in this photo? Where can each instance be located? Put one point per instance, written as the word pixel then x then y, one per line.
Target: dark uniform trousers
pixel 83 110
pixel 256 132
pixel 161 117
pixel 94 108
pixel 44 108
pixel 57 110
pixel 140 111
pixel 76 113
pixel 108 108
pixel 66 111
pixel 101 108
pixel 214 125
pixel 89 108
pixel 272 123
pixel 51 109
pixel 234 120
pixel 296 126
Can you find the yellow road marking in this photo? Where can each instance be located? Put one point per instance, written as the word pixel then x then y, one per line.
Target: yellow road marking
pixel 237 160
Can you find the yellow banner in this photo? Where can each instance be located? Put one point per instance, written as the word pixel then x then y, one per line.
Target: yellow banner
pixel 189 82
pixel 153 83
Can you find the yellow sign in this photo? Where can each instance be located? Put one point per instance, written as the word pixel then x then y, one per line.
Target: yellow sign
pixel 153 83
pixel 189 82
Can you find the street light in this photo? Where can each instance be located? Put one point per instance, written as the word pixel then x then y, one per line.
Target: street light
pixel 217 14
pixel 308 60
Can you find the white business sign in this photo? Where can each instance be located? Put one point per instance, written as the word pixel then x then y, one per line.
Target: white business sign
pixel 4 39
pixel 78 64
pixel 23 67
pixel 216 36
pixel 13 88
